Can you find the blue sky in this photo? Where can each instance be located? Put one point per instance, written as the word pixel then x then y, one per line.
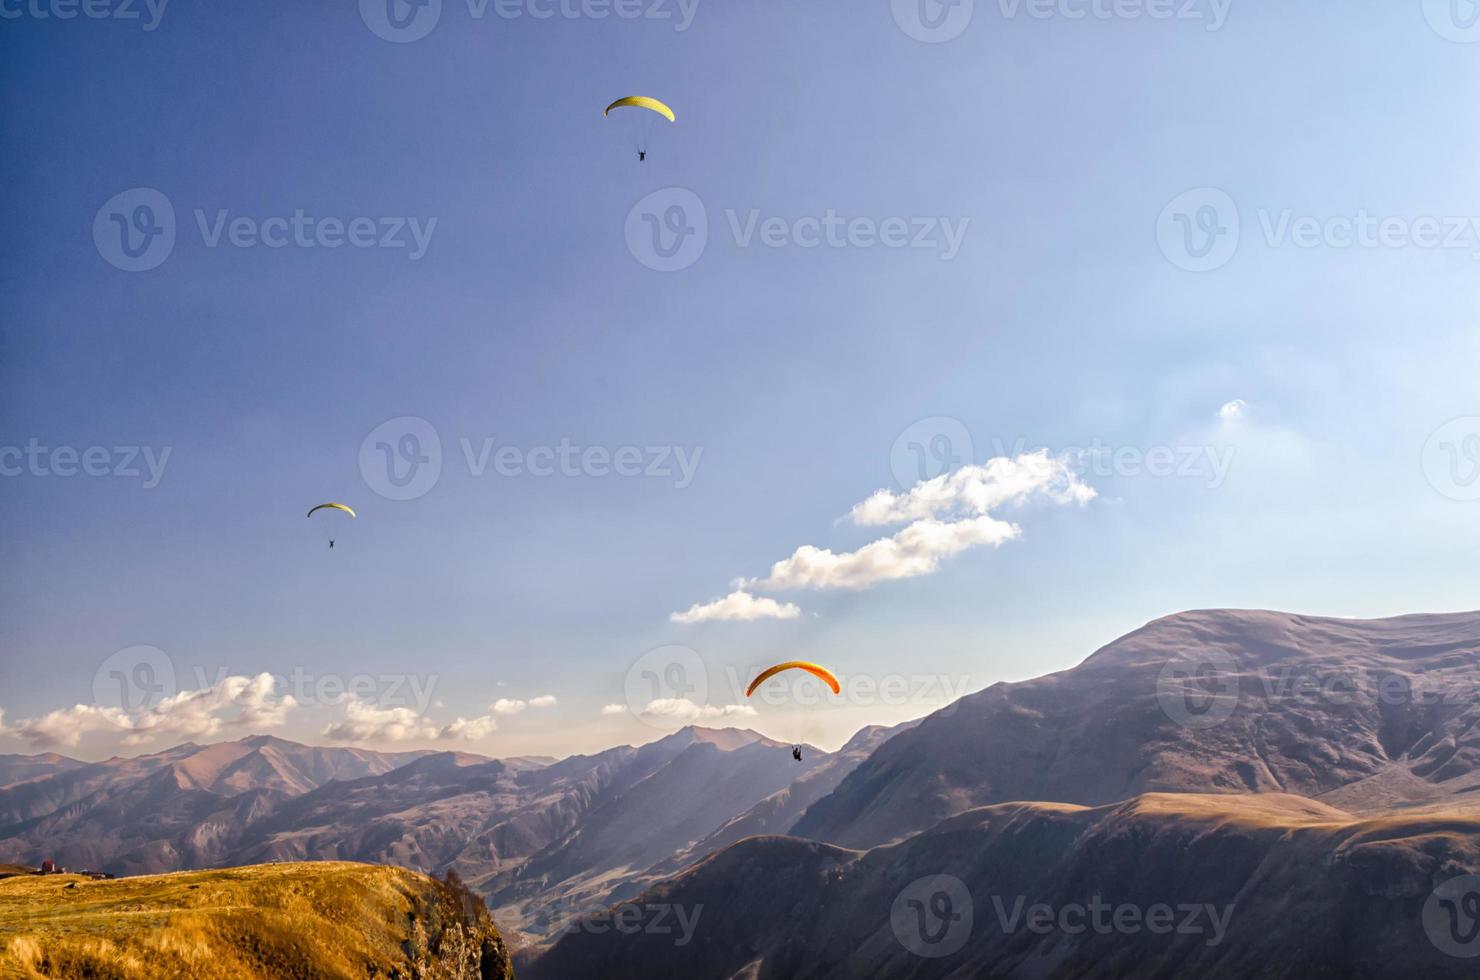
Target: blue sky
pixel 1062 150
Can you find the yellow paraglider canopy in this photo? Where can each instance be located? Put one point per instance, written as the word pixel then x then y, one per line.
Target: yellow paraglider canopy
pixel 330 521
pixel 815 669
pixel 642 102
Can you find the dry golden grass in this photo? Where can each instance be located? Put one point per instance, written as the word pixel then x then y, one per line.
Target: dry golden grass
pixel 316 920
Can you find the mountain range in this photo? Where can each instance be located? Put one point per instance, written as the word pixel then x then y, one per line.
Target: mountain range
pixel 1309 783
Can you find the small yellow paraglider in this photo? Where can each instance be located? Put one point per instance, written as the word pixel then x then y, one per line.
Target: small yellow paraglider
pixel 639 123
pixel 331 518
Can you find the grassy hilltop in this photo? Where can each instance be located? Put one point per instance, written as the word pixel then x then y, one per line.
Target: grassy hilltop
pixel 311 920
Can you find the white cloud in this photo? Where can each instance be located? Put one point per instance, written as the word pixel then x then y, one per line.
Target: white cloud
pixel 613 709
pixel 916 550
pixel 66 726
pixel 684 710
pixel 514 706
pixel 366 722
pixel 468 730
pixel 974 491
pixel 194 714
pixel 738 605
pixel 234 702
pixel 1233 410
pixel 942 517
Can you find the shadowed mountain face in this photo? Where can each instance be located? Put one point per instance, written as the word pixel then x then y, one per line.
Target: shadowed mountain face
pixel 777 812
pixel 546 842
pixel 705 779
pixel 1157 886
pixel 15 769
pixel 182 808
pixel 587 814
pixel 1366 715
pixel 542 840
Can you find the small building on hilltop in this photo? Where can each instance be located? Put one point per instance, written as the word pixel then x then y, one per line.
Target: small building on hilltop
pixel 48 867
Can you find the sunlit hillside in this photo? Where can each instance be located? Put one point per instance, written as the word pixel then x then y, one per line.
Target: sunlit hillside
pixel 313 920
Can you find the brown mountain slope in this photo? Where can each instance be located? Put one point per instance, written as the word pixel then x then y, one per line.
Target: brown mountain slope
pixel 1162 885
pixel 1371 714
pixel 714 776
pixel 321 921
pixel 180 808
pixel 16 769
pixel 776 813
pixel 420 816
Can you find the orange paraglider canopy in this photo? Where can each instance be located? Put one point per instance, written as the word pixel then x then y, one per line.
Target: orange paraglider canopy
pixel 815 669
